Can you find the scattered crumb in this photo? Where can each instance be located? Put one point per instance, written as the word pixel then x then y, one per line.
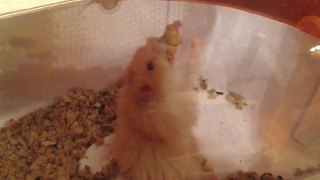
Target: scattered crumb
pixel 203 83
pixel 236 99
pixel 49 142
pixel 211 93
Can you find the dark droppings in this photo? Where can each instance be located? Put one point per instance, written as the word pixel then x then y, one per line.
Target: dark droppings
pixel 219 93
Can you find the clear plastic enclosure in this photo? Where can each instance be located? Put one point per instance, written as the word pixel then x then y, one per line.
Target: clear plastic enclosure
pixel 45 54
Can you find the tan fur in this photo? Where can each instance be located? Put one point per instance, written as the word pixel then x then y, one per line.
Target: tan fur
pixel 153 138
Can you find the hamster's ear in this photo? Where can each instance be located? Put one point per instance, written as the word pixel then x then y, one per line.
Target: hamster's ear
pixel 124 79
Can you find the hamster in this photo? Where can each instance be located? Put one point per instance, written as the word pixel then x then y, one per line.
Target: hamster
pixel 156 111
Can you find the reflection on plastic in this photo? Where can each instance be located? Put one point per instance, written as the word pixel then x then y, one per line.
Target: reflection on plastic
pixel 315 49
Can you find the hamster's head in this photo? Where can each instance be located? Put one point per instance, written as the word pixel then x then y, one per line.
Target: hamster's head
pixel 148 77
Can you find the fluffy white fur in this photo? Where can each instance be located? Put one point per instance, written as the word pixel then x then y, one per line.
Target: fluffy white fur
pixel 156 113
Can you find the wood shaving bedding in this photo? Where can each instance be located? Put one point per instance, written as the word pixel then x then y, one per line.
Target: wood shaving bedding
pixel 49 142
pixel 240 175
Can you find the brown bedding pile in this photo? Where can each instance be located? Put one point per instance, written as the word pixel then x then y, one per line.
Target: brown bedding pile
pixel 49 142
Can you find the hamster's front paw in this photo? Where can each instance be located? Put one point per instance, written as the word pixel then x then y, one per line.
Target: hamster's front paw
pixel 196 50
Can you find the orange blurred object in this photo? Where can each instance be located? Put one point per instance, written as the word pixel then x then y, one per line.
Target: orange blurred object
pixel 311 25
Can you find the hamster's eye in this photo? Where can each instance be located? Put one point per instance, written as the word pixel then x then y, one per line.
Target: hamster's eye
pixel 150 66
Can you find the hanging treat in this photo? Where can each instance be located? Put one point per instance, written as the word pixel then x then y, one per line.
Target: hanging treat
pixel 172 38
